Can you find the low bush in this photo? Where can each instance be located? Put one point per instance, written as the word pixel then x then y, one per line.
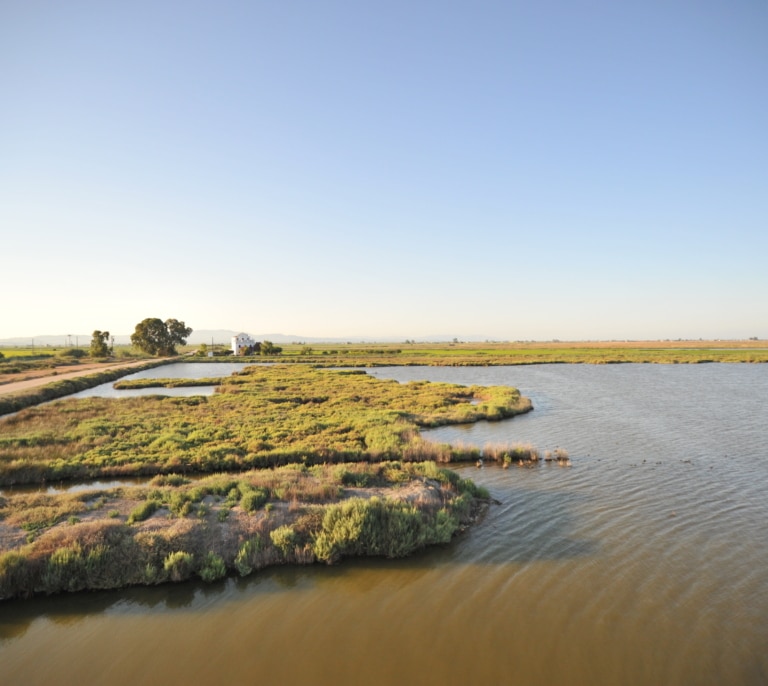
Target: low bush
pixel 76 353
pixel 169 480
pixel 246 558
pixel 284 539
pixel 58 389
pixel 143 511
pixel 178 566
pixel 253 499
pixel 212 567
pixel 14 573
pixel 388 528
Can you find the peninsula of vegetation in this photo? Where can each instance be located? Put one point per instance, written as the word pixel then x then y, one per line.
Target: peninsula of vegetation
pixel 305 465
pixel 292 463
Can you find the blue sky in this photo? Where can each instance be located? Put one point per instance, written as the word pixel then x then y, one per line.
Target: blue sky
pixel 511 170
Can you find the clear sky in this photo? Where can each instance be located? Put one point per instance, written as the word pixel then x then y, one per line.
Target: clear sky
pixel 514 170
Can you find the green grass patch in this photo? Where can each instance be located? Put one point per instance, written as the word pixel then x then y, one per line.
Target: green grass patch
pixel 166 383
pixel 261 417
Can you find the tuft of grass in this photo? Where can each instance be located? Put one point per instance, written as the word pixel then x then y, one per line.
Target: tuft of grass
pixel 178 565
pixel 143 511
pixel 253 499
pixel 247 555
pixel 284 539
pixel 379 527
pixel 516 452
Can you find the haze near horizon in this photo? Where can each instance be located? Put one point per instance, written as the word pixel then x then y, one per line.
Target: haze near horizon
pixel 513 171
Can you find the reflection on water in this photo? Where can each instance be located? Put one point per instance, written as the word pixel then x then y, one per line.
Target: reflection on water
pixel 645 563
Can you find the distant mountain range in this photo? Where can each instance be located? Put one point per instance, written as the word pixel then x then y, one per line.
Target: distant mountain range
pixel 218 337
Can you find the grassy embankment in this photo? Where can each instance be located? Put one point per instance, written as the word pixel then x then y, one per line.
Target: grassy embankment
pixel 263 417
pixel 13 402
pixel 167 383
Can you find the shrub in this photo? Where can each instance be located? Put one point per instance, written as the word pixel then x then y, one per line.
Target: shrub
pixel 350 478
pixel 64 570
pixel 213 568
pixel 252 500
pixel 178 566
pixel 14 573
pixel 245 560
pixel 444 527
pixel 467 486
pixel 284 538
pixel 369 527
pixel 75 353
pixel 151 574
pixel 179 503
pixel 431 471
pixel 169 480
pixel 233 497
pixel 143 511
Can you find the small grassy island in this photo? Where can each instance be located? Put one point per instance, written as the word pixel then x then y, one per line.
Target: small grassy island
pixel 284 464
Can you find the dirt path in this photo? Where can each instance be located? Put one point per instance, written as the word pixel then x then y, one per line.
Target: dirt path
pixel 46 376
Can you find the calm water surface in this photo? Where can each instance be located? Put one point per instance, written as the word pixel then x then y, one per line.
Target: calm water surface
pixel 178 370
pixel 645 563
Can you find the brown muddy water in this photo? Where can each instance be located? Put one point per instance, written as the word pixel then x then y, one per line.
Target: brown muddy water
pixel 644 563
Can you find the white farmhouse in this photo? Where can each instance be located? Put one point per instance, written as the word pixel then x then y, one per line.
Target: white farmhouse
pixel 241 343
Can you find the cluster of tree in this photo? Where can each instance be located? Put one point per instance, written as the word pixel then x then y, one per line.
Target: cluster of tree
pixel 157 337
pixel 75 353
pixel 101 344
pixel 254 349
pixel 262 348
pixel 269 348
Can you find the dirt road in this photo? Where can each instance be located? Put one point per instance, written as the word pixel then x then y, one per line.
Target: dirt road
pixel 42 377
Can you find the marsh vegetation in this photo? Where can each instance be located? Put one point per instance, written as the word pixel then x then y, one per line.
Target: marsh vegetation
pixel 527 352
pixel 261 417
pixel 309 465
pixel 174 529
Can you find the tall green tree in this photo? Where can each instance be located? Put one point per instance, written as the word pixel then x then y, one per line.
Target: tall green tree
pixel 157 337
pixel 99 344
pixel 269 348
